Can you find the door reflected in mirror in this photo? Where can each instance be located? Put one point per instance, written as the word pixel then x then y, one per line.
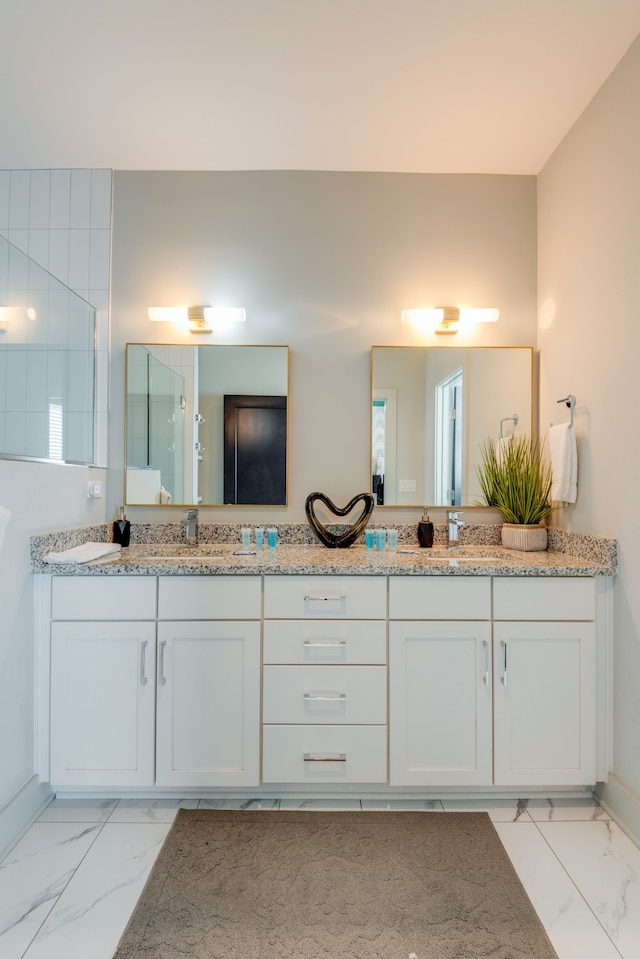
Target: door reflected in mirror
pixel 432 408
pixel 206 425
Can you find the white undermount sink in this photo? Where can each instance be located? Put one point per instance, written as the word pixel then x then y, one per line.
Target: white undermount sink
pixel 181 551
pixel 474 555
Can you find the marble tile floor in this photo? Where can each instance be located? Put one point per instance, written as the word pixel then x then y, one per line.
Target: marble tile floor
pixel 68 887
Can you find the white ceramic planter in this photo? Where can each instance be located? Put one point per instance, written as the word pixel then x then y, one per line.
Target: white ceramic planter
pixel 525 538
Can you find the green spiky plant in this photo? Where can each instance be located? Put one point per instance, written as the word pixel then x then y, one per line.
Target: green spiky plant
pixel 516 479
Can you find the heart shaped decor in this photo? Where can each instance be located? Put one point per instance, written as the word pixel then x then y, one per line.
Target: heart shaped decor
pixel 346 538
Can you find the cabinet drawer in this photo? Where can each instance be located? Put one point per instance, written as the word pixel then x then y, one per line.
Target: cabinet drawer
pixel 325 694
pixel 209 597
pixel 324 754
pixel 351 642
pixel 567 598
pixel 440 597
pixel 328 597
pixel 103 597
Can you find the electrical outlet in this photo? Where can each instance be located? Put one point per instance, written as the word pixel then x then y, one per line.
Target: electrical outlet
pixel 94 490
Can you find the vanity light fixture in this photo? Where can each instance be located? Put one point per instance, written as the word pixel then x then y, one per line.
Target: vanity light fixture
pixel 449 319
pixel 198 319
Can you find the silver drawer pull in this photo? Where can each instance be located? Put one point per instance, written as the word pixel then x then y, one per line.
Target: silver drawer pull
pixel 325 757
pixel 325 599
pixel 308 644
pixel 324 697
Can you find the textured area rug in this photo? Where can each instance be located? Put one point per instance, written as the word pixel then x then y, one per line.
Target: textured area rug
pixel 362 885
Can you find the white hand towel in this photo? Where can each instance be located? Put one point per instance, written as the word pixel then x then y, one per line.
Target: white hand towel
pixel 5 516
pixel 563 450
pixel 502 446
pixel 82 554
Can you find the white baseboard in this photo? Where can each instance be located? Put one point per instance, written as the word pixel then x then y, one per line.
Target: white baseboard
pixel 22 809
pixel 622 804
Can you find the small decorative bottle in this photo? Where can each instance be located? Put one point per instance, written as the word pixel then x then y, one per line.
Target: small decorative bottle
pixel 425 531
pixel 122 529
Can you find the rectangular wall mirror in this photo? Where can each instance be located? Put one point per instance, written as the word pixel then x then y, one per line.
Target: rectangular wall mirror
pixel 431 410
pixel 206 425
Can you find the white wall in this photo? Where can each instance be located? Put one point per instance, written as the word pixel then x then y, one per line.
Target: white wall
pixel 589 339
pixel 61 218
pixel 324 263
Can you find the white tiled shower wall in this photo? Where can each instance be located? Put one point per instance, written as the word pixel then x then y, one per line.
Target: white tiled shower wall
pixel 62 220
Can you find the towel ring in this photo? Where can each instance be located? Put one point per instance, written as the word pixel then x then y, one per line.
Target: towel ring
pixel 508 419
pixel 570 401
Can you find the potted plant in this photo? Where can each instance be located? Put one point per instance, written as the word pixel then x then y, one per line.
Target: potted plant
pixel 516 479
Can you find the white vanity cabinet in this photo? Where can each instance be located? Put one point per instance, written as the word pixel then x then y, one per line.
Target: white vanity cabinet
pixel 155 681
pixel 208 696
pixel 545 692
pixel 325 680
pixel 440 681
pixel 102 710
pixel 399 682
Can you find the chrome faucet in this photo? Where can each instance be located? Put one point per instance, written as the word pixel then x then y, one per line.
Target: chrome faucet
pixel 190 523
pixel 453 525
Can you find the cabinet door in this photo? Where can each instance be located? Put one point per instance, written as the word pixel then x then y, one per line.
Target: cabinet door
pixel 102 703
pixel 208 713
pixel 545 703
pixel 440 703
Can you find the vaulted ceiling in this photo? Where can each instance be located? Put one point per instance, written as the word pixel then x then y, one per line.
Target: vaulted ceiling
pixel 443 86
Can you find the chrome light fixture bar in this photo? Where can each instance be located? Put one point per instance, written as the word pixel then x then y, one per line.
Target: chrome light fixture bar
pixel 197 319
pixel 449 319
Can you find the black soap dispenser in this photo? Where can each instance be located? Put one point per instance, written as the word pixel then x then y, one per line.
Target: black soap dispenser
pixel 425 531
pixel 122 529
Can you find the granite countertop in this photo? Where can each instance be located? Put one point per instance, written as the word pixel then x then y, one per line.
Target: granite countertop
pixel 216 559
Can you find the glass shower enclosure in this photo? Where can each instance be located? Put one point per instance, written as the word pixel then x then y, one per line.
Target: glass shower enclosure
pixel 47 365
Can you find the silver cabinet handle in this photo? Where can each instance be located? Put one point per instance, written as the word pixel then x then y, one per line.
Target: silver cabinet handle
pixel 325 757
pixel 143 662
pixel 309 644
pixel 324 697
pixel 486 662
pixel 503 678
pixel 325 599
pixel 162 679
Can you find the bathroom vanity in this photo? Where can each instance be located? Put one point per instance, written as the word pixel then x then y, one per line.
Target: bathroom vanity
pixel 318 671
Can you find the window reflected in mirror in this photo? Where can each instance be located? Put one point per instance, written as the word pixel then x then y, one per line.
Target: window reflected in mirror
pixel 431 410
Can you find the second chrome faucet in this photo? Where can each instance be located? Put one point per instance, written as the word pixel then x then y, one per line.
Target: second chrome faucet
pixel 190 523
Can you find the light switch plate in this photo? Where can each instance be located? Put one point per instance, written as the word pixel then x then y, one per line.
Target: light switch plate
pixel 407 486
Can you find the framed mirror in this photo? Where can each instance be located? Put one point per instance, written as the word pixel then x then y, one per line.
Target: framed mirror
pixel 206 425
pixel 431 410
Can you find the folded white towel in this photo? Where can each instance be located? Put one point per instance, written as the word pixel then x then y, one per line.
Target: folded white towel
pixel 164 496
pixel 563 450
pixel 82 554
